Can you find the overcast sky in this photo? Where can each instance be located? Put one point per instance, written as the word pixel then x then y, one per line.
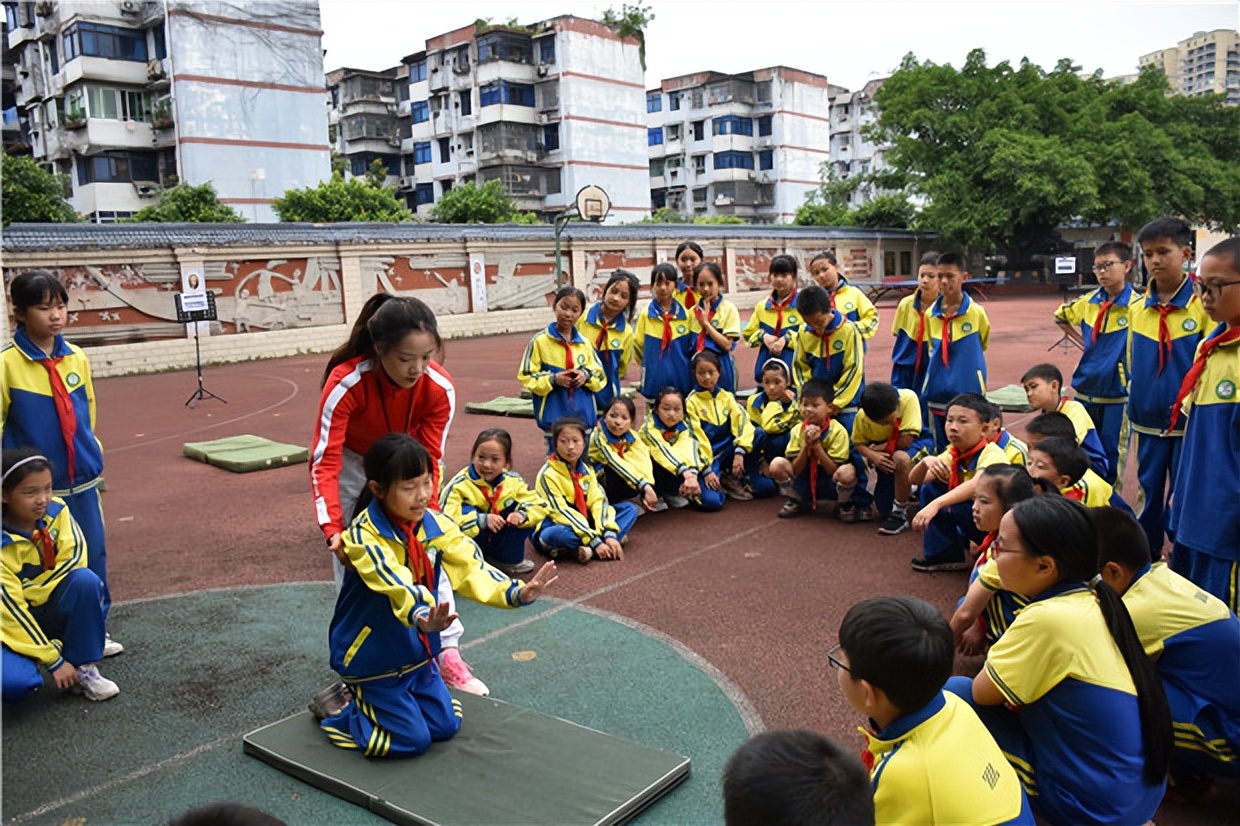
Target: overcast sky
pixel 848 42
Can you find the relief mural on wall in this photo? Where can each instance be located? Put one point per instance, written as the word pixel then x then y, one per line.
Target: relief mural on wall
pixel 515 279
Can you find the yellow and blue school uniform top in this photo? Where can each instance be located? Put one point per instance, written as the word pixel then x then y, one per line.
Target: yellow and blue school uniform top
pixel 468 499
pixel 1016 451
pixel 1091 490
pixel 1059 664
pixel 723 420
pixel 678 449
pixel 776 317
pixel 28 583
pixel 991 454
pixel 684 293
pixel 725 318
pixel 548 354
pixel 663 344
pixel 939 764
pixel 374 629
pixel 1162 341
pixel 1194 640
pixel 555 485
pixel 856 307
pixel 627 456
pixel 1003 606
pixel 1205 515
pixel 837 356
pixel 772 415
pixel 834 440
pixel 613 343
pixel 28 410
pixel 911 351
pixel 865 431
pixel 1101 376
pixel 957 352
pixel 1086 434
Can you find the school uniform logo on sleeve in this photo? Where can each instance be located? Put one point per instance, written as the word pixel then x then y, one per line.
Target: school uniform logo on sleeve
pixel 850 306
pixel 1189 325
pixel 615 344
pixel 73 379
pixel 1225 389
pixel 838 345
pixel 792 319
pixel 966 327
pixel 581 359
pixel 680 328
pixel 1121 322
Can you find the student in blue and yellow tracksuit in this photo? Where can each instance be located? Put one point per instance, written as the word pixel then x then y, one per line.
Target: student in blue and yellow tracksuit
pixel 384 635
pixel 731 434
pixel 47 401
pixel 885 433
pixel 560 368
pixel 688 256
pixel 1164 330
pixel 608 326
pixel 829 347
pixel 1205 516
pixel 775 321
pixel 1064 464
pixel 816 465
pixel 682 455
pixel 911 351
pixel 1043 385
pixel 664 336
pixel 1098 323
pixel 492 505
pixel 850 301
pixel 1017 451
pixel 52 613
pixel 580 522
pixel 716 323
pixel 959 331
pixel 1194 641
pixel 773 410
pixel 621 459
pixel 1067 691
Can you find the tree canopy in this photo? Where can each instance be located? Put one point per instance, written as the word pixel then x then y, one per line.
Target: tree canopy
pixel 337 200
pixel 487 204
pixel 191 204
pixel 1005 155
pixel 31 194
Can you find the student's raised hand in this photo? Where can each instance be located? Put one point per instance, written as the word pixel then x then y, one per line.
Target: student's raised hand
pixel 538 583
pixel 788 395
pixel 516 519
pixel 972 641
pixel 812 432
pixel 65 676
pixel 738 466
pixel 937 468
pixel 495 522
pixel 649 498
pixel 924 516
pixel 440 617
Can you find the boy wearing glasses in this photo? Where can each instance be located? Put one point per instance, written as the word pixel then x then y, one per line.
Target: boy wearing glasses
pixel 931 759
pixel 1098 323
pixel 1205 514
pixel 1164 329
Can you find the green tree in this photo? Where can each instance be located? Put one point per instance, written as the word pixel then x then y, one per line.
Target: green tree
pixel 889 211
pixel 338 200
pixel 486 204
pixel 631 21
pixel 31 194
pixel 188 204
pixel 827 206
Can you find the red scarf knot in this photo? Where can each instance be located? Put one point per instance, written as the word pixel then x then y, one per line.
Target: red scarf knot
pixel 579 495
pixel 779 307
pixel 1100 322
pixel 668 318
pixel 894 438
pixel 493 499
pixel 1199 366
pixel 47 548
pixel 947 337
pixel 1164 334
pixel 958 460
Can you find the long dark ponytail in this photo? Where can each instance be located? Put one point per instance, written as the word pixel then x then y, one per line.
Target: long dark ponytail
pixel 383 323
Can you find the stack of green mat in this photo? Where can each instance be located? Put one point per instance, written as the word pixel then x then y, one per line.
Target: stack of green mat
pixel 246 453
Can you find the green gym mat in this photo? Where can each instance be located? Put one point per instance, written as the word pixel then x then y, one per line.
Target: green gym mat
pixel 246 453
pixel 508 765
pixel 503 406
pixel 1010 399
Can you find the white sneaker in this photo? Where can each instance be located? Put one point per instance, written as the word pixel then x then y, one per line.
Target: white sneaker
pixel 111 647
pixel 676 501
pixel 93 685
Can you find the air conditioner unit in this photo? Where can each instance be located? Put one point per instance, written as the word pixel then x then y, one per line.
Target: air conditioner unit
pixel 147 189
pixel 155 69
pixel 393 140
pixel 132 7
pixel 531 157
pixel 408 182
pixel 45 9
pixel 542 69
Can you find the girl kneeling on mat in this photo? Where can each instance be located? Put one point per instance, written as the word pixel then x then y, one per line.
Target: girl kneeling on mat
pixel 385 632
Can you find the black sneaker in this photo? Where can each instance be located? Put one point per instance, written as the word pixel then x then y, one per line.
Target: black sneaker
pixel 930 565
pixel 896 523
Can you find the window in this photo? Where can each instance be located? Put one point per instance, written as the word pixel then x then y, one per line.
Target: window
pixel 699 130
pixel 699 164
pixel 764 125
pixel 658 199
pixel 699 196
pixel 733 160
pixel 673 101
pixel 732 125
pixel 424 194
pixel 889 264
pixel 103 103
pixel 421 111
pixel 422 152
pixel 673 131
pixel 906 263
pixel 117 168
pixel 656 169
pixel 159 41
pixel 108 104
pixel 551 137
pixel 546 50
pixel 417 70
pixel 654 135
pixel 445 150
pixel 654 102
pixel 503 91
pixel 84 39
pixel 465 101
pixel 766 159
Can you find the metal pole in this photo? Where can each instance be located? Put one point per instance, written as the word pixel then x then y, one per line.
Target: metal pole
pixel 561 221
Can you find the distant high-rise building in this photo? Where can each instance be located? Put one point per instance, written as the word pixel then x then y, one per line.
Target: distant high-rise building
pixel 1207 63
pixel 853 154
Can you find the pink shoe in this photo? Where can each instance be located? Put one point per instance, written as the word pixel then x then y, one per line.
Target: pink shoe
pixel 457 674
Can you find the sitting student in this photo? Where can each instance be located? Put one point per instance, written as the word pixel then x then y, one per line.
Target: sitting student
pixel 775 321
pixel 958 330
pixel 1194 641
pixel 683 461
pixel 816 466
pixel 608 326
pixel 795 778
pixel 1067 692
pixel 1062 463
pixel 884 432
pixel 911 351
pixel 621 459
pixel 729 430
pixel 986 610
pixel 946 484
pixel 716 322
pixel 662 338
pixel 1043 387
pixel 53 604
pixel 1016 451
pixel 854 304
pixel 931 760
pixel 492 505
pixel 579 517
pixel 773 410
pixel 385 631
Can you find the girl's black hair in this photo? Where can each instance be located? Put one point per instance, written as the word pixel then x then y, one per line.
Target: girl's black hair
pixel 1062 529
pixel 828 255
pixel 31 464
pixel 565 292
pixel 494 434
pixel 33 287
pixel 626 402
pixel 776 365
pixel 710 267
pixel 708 356
pixel 392 458
pixel 618 276
pixel 783 264
pixel 666 270
pixel 1012 483
pixel 382 324
pixel 565 423
pixel 668 391
pixel 689 245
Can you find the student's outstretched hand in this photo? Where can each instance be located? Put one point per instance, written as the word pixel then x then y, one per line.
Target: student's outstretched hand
pixel 538 583
pixel 65 676
pixel 440 617
pixel 924 516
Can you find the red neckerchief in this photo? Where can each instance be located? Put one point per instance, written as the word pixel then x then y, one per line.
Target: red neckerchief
pixel 619 446
pixel 984 549
pixel 1164 334
pixel 579 495
pixel 813 471
pixel 921 333
pixel 669 433
pixel 603 330
pixel 668 318
pixel 701 339
pixel 690 298
pixel 1199 366
pixel 47 548
pixel 493 499
pixel 65 413
pixel 890 449
pixel 419 566
pixel 947 336
pixel 1074 493
pixel 959 459
pixel 1062 401
pixel 779 307
pixel 1100 322
pixel 568 357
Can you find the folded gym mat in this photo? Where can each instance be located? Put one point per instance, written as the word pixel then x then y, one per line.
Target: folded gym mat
pixel 1010 398
pixel 503 406
pixel 246 453
pixel 508 765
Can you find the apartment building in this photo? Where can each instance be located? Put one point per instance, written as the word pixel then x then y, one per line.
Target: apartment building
pixel 749 145
pixel 853 154
pixel 1206 63
pixel 127 96
pixel 364 125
